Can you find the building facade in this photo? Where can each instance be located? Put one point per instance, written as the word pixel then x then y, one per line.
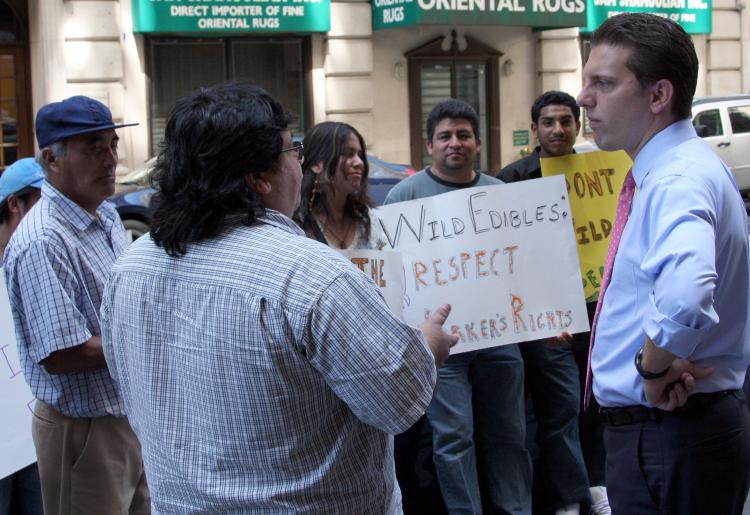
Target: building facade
pixel 379 66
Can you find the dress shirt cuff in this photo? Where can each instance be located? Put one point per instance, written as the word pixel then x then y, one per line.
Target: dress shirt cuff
pixel 57 342
pixel 669 335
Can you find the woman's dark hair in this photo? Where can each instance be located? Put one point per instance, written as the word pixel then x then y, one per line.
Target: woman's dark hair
pixel 326 143
pixel 215 137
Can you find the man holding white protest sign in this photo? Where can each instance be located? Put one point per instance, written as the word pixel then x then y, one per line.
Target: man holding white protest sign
pixel 467 447
pixel 304 372
pixel 552 374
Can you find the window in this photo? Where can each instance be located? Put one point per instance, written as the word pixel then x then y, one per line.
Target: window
pixel 708 123
pixel 16 139
pixel 178 66
pixel 470 75
pixel 739 118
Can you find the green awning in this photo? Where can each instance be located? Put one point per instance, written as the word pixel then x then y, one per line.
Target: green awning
pixel 534 13
pixel 693 15
pixel 231 16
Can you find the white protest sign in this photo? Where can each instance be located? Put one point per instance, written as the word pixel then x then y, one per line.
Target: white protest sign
pixel 386 270
pixel 16 400
pixel 504 256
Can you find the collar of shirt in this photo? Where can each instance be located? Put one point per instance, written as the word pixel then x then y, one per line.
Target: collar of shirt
pixel 652 154
pixel 75 214
pixel 280 221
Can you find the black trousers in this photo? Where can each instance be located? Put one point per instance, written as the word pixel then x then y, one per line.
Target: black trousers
pixel 688 463
pixel 591 428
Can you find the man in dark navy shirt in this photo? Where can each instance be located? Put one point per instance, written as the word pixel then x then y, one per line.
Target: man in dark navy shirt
pixel 552 376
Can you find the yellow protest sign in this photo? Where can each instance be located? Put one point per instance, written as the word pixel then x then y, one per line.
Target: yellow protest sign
pixel 594 180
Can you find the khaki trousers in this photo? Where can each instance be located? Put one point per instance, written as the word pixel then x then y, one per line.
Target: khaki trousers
pixel 88 465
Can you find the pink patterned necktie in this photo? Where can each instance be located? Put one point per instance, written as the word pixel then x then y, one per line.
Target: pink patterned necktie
pixel 623 211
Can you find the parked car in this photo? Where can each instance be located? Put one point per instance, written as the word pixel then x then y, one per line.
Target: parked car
pixel 383 176
pixel 724 122
pixel 132 199
pixel 133 192
pixel 135 210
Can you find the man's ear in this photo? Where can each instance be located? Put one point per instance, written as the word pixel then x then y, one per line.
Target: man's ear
pixel 259 183
pixel 533 130
pixel 14 205
pixel 662 96
pixel 50 161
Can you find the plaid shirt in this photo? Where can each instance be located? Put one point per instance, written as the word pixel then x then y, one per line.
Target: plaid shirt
pixel 262 373
pixel 56 264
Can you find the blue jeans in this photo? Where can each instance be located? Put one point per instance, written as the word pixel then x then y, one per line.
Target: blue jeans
pixel 560 476
pixel 20 493
pixel 479 433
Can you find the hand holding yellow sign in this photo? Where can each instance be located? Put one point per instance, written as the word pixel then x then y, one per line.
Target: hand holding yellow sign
pixel 594 180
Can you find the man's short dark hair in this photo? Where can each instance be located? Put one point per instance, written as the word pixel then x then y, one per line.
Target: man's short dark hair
pixel 452 108
pixel 555 98
pixel 22 196
pixel 660 49
pixel 215 137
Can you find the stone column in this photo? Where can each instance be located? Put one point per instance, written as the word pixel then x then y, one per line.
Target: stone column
pixel 348 66
pixel 724 50
pixel 46 51
pixel 559 61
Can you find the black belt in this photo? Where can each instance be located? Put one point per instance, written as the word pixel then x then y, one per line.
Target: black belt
pixel 634 414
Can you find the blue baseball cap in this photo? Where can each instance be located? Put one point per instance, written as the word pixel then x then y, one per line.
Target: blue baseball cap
pixel 21 174
pixel 71 117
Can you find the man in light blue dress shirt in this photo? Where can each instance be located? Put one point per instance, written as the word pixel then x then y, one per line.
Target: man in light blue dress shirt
pixel 261 370
pixel 56 264
pixel 670 349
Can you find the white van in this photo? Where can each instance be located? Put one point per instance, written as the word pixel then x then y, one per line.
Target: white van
pixel 724 122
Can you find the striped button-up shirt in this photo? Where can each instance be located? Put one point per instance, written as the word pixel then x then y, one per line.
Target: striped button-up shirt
pixel 263 373
pixel 56 264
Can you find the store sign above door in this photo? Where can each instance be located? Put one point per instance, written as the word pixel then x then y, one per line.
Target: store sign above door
pixel 535 13
pixel 231 16
pixel 693 15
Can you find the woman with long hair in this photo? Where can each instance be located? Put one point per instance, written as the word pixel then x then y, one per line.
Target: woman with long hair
pixel 335 206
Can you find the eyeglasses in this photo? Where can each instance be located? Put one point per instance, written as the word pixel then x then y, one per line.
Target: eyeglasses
pixel 297 145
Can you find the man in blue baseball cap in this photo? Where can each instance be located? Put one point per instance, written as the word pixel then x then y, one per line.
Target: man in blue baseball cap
pixel 20 188
pixel 56 266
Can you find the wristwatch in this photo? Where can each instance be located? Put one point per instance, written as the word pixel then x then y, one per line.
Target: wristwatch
pixel 645 374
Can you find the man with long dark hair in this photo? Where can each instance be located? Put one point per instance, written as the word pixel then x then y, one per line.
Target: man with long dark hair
pixel 262 372
pixel 673 310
